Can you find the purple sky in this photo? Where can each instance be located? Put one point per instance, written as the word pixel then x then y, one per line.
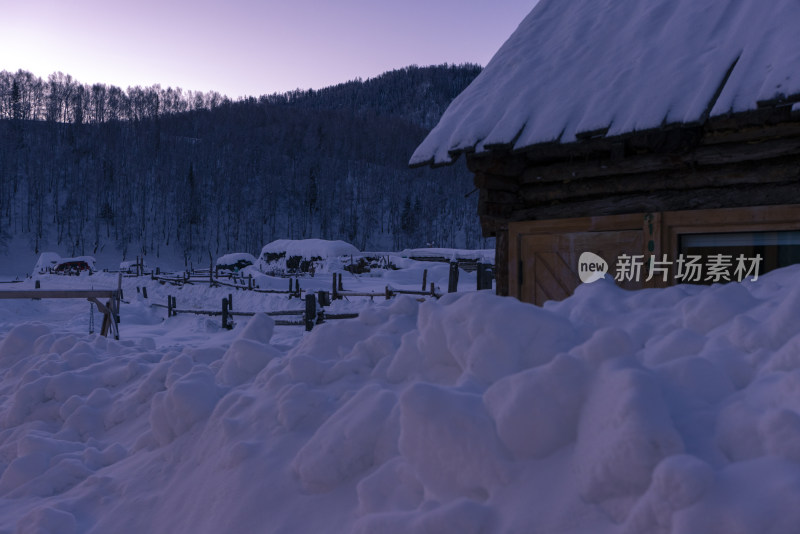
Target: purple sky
pixel 248 47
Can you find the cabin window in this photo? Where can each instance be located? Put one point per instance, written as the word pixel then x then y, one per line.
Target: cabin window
pixel 777 249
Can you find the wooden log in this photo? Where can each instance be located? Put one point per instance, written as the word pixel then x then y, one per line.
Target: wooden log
pixel 701 198
pixel 492 181
pixel 724 176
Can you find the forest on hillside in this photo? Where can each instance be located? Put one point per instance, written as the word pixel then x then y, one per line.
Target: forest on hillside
pixel 145 170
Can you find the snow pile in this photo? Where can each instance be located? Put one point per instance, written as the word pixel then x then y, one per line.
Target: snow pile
pixel 658 411
pixel 587 66
pixel 309 248
pixel 235 261
pixel 46 261
pixel 305 255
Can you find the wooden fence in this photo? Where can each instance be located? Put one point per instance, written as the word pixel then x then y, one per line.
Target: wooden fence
pixel 109 309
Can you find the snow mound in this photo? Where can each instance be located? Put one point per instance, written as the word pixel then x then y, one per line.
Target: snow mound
pixel 309 248
pixel 612 411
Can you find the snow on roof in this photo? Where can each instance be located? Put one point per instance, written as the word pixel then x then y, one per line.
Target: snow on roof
pixel 451 253
pixel 232 258
pixel 45 261
pixel 585 66
pixel 310 248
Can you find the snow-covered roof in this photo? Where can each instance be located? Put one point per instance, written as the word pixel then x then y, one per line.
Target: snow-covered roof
pixel 450 253
pixel 309 248
pixel 612 67
pixel 46 261
pixel 234 257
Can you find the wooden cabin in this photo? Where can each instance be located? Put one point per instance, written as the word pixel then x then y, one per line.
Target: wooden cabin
pixel 657 131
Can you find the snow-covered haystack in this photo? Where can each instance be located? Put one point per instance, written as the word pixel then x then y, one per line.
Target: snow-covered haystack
pixel 235 261
pixel 294 256
pixel 658 411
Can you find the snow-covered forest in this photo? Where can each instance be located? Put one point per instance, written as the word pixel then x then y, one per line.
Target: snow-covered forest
pixel 85 169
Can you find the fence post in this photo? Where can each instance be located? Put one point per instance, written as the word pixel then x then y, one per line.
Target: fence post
pixel 291 292
pixel 452 282
pixel 311 311
pixel 230 301
pixel 341 287
pixel 433 290
pixel 144 292
pixel 388 293
pixel 250 281
pixel 424 279
pixel 481 276
pixel 225 314
pixel 169 305
pixel 333 288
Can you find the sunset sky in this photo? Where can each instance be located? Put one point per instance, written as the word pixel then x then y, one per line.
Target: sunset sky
pixel 248 47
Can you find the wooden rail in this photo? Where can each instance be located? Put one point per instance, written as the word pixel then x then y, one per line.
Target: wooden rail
pixel 110 309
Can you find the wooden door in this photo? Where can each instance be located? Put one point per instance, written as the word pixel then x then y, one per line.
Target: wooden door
pixel 550 262
pixel 543 255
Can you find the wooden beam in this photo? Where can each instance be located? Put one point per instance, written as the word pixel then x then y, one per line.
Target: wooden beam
pixel 671 200
pixel 728 175
pixel 57 293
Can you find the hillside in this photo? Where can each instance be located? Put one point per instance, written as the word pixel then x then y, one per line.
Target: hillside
pixel 151 170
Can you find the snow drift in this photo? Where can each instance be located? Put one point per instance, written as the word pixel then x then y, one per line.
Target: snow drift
pixel 658 411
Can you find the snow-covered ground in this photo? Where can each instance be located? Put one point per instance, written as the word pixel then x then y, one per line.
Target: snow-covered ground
pixel 657 411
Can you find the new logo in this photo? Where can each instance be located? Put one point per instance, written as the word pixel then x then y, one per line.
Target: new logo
pixel 591 267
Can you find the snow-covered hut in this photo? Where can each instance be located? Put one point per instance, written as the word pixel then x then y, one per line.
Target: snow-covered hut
pixel 633 129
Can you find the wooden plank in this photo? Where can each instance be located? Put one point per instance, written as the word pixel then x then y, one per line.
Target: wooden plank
pixel 629 221
pixel 550 271
pixel 502 261
pixel 57 293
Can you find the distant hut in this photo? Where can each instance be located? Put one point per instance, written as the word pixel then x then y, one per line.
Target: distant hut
pixel 653 130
